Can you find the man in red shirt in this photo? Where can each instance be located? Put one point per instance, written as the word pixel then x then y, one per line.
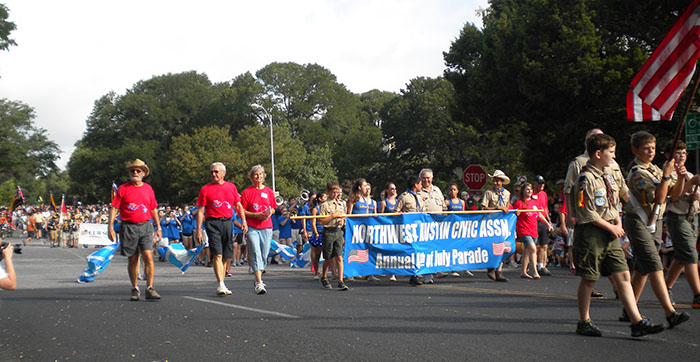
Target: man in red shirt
pixel 136 204
pixel 217 200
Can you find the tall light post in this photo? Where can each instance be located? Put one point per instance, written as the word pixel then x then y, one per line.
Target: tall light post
pixel 272 144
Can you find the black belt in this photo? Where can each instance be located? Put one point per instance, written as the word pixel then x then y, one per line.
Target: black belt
pixel 331 228
pixel 134 223
pixel 219 218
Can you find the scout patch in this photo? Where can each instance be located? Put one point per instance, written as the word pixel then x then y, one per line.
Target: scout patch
pixel 599 193
pixel 611 179
pixel 599 201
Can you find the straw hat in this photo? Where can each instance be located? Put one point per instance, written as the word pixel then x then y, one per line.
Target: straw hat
pixel 138 164
pixel 500 174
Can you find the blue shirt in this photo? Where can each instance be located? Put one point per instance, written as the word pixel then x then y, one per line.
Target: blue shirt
pixel 363 207
pixel 286 229
pixel 389 206
pixel 188 223
pixel 236 229
pixel 454 207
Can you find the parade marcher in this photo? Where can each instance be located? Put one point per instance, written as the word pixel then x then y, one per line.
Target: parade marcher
pixel 409 201
pixel 681 218
pixel 136 204
pixel 217 200
pixel 316 231
pixel 540 195
pixel 649 185
pixel 388 204
pixel 596 246
pixel 332 238
pixel 432 200
pixel 497 198
pixel 360 203
pixel 526 230
pixel 259 204
pixel 188 222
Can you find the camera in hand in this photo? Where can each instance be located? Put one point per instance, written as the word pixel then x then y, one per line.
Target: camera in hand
pixel 17 248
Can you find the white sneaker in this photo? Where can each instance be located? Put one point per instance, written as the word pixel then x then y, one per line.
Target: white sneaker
pixel 222 290
pixel 392 278
pixel 454 274
pixel 316 277
pixel 372 278
pixel 260 288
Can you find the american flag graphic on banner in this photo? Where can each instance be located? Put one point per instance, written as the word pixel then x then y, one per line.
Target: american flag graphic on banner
pixel 500 248
pixel 358 256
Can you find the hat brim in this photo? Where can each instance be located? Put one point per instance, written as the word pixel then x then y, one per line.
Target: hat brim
pixel 504 178
pixel 143 168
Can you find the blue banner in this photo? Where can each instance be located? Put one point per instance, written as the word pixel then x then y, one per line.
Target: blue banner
pixel 413 244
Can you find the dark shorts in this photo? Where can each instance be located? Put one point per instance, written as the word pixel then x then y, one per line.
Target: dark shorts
pixel 684 234
pixel 135 238
pixel 238 239
pixel 597 253
pixel 333 242
pixel 542 234
pixel 645 246
pixel 315 241
pixel 220 234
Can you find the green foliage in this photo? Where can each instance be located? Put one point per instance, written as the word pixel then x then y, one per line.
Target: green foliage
pixel 6 27
pixel 27 152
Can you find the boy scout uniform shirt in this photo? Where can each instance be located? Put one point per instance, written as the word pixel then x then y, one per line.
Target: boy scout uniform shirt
pixel 593 202
pixel 572 175
pixel 407 203
pixel 432 201
pixel 328 207
pixel 491 198
pixel 643 180
pixel 683 204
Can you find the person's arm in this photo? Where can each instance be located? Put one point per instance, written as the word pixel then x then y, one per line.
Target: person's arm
pixel 349 207
pixel 110 227
pixel 662 188
pixel 314 212
pixel 382 206
pixel 159 231
pixel 200 219
pixel 10 281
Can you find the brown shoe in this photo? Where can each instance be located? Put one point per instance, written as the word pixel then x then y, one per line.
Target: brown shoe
pixel 135 293
pixel 152 294
pixel 500 277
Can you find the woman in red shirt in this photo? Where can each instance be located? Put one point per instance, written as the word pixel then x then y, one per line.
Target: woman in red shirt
pixel 526 229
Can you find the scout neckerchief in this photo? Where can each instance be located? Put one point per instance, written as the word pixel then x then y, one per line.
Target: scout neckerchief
pixel 499 192
pixel 416 197
pixel 608 189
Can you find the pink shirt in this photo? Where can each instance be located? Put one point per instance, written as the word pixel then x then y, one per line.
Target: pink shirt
pixel 135 202
pixel 255 200
pixel 219 199
pixel 527 221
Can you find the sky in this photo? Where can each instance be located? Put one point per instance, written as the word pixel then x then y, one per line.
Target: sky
pixel 70 53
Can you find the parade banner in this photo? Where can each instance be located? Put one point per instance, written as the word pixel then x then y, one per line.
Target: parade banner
pixel 411 244
pixel 93 234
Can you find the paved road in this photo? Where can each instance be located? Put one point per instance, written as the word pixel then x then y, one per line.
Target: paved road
pixel 50 317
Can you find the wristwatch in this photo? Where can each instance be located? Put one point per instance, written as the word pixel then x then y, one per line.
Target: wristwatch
pixel 666 178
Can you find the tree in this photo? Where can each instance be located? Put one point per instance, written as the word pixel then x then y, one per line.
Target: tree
pixel 27 151
pixel 6 27
pixel 555 68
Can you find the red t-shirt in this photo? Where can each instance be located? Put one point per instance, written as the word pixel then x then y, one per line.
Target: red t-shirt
pixel 135 203
pixel 219 199
pixel 255 200
pixel 527 221
pixel 542 202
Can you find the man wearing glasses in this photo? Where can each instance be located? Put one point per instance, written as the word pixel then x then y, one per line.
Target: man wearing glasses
pixel 137 205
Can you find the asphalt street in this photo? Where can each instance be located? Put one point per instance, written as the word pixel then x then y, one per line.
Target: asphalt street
pixel 52 318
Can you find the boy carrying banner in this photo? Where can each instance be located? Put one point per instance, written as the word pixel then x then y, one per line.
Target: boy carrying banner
pixel 596 246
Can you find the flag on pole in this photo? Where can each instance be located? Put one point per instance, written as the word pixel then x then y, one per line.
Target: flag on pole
pixel 97 262
pixel 177 255
pixel 18 200
pixel 657 87
pixel 64 211
pixel 53 203
pixel 113 193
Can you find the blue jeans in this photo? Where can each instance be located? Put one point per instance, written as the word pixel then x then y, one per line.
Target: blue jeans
pixel 259 246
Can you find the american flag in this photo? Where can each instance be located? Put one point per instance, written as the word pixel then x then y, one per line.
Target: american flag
pixel 499 248
pixel 656 89
pixel 358 256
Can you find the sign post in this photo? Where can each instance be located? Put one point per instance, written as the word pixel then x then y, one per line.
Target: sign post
pixel 474 179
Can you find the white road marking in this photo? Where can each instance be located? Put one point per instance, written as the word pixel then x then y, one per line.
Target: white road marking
pixel 279 314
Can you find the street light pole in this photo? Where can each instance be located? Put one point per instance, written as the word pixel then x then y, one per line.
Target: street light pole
pixel 272 145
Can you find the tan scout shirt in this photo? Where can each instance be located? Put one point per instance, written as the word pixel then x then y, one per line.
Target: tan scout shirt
pixel 643 180
pixel 490 198
pixel 432 201
pixel 593 201
pixel 330 206
pixel 407 203
pixel 572 175
pixel 681 205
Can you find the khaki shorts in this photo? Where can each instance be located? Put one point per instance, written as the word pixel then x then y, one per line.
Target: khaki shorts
pixel 684 234
pixel 333 242
pixel 645 246
pixel 597 253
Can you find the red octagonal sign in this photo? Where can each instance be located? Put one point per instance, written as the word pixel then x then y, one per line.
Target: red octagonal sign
pixel 474 177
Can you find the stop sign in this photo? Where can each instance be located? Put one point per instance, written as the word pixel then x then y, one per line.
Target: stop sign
pixel 474 177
